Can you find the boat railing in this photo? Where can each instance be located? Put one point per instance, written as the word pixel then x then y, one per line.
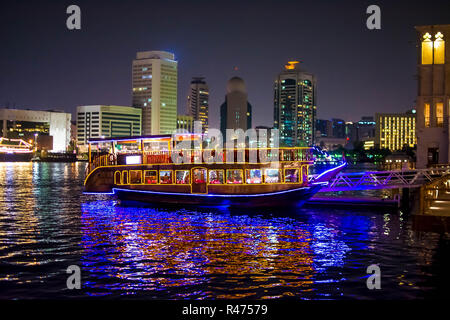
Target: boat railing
pixel 237 155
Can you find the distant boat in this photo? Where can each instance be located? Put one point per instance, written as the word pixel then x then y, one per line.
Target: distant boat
pixel 15 150
pixel 55 157
pixel 142 169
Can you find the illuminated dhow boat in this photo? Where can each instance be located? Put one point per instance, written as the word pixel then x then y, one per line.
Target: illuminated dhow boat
pixel 15 150
pixel 147 169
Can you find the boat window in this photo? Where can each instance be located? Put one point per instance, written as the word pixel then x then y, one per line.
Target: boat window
pixel 291 175
pixel 117 177
pixel 199 175
pixel 215 176
pixel 135 176
pixel 272 176
pixel 234 176
pixel 182 177
pixel 125 177
pixel 151 177
pixel 165 177
pixel 253 176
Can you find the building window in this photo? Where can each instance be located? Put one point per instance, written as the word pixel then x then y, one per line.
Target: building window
pixel 234 176
pixel 439 49
pixel 427 49
pixel 215 176
pixel 253 176
pixel 439 114
pixel 182 177
pixel 426 114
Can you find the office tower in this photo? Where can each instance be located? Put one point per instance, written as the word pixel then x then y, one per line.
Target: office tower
pixel 433 96
pixel 394 131
pixel 324 128
pixel 338 128
pixel 51 126
pixel 366 128
pixel 198 102
pixel 155 91
pixel 295 106
pixel 99 121
pixel 236 111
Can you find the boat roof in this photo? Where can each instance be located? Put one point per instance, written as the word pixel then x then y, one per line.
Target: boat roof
pixel 163 137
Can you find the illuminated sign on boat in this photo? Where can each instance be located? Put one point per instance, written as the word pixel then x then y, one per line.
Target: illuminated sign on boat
pixel 133 160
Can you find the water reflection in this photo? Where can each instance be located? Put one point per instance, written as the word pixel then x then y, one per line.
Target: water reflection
pixel 47 224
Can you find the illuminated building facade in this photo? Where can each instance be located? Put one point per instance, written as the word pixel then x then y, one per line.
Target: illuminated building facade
pixel 106 121
pixel 394 131
pixel 433 97
pixel 236 111
pixel 185 122
pixel 33 125
pixel 198 102
pixel 295 106
pixel 155 78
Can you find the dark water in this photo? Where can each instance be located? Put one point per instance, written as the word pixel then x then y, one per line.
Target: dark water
pixel 46 224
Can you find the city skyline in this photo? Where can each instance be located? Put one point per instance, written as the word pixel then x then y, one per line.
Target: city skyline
pixel 346 82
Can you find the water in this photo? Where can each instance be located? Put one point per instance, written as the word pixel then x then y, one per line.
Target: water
pixel 46 224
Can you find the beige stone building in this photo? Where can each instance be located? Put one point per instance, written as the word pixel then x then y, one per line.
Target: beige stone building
pixel 433 95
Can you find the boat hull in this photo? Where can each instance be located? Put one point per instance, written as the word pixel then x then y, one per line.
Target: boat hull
pixel 15 157
pixel 291 197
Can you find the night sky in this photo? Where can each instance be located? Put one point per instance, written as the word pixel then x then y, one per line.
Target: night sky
pixel 43 65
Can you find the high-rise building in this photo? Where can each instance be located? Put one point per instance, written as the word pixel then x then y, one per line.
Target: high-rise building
pixel 198 101
pixel 324 128
pixel 52 126
pixel 394 131
pixel 99 121
pixel 295 106
pixel 433 96
pixel 338 128
pixel 155 78
pixel 366 128
pixel 236 111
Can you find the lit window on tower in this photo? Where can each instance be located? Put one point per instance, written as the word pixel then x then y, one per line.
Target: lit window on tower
pixel 439 49
pixel 426 114
pixel 427 49
pixel 439 114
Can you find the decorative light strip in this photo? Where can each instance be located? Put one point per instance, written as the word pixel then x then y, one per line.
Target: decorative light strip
pixel 211 195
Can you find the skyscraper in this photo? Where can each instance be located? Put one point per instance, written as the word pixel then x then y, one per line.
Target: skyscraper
pixel 433 97
pixel 198 102
pixel 155 91
pixel 236 111
pixel 295 106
